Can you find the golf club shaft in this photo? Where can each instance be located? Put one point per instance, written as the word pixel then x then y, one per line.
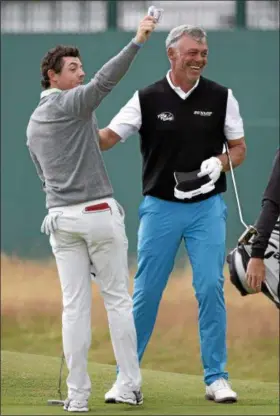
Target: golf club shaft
pixel 235 187
pixel 60 377
pixel 55 402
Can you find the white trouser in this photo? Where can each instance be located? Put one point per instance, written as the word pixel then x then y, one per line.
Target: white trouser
pixel 96 237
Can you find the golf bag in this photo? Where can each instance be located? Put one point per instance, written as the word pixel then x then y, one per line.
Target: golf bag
pixel 239 257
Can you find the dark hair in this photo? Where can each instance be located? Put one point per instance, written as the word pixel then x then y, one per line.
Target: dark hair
pixel 54 60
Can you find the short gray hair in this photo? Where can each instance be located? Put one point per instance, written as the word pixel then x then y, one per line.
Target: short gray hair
pixel 195 32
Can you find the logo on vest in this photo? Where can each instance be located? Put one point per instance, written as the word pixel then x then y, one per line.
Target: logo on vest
pixel 165 116
pixel 203 113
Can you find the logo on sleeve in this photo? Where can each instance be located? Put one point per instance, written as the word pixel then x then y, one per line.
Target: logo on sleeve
pixel 166 116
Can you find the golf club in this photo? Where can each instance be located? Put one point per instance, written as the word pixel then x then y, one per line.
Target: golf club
pixel 60 402
pixel 235 188
pixel 249 229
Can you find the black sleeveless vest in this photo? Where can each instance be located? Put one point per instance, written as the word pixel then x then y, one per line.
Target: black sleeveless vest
pixel 177 134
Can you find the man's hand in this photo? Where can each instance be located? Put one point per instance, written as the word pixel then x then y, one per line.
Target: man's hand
pixel 107 138
pixel 146 27
pixel 212 167
pixel 255 273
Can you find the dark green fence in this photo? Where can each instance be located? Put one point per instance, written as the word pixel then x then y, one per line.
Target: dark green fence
pixel 246 61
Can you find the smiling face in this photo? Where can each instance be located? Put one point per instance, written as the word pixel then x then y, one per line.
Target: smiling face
pixel 70 76
pixel 188 57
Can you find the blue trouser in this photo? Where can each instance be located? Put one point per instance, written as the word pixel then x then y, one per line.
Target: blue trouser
pixel 202 225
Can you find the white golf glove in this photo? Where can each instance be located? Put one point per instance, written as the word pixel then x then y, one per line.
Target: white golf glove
pixel 212 167
pixel 49 225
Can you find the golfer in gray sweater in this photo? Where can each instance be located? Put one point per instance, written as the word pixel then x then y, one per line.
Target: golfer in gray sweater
pixel 84 221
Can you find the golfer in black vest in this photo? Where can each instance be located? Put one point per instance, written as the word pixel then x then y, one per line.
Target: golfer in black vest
pixel 183 121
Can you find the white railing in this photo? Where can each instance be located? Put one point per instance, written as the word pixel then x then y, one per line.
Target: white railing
pixel 91 16
pixel 208 14
pixel 53 16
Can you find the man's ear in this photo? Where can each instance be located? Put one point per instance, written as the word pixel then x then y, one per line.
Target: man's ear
pixel 52 75
pixel 171 53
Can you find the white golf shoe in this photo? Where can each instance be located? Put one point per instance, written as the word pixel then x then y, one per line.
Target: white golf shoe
pixel 76 405
pixel 221 392
pixel 135 398
pixel 115 395
pixel 110 396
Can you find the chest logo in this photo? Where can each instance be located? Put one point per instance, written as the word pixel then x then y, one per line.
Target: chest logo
pixel 166 116
pixel 203 113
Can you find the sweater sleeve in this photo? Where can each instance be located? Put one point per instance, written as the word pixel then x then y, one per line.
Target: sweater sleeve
pixel 83 100
pixel 270 210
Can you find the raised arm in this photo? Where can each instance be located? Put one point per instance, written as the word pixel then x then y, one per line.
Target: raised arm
pixel 82 100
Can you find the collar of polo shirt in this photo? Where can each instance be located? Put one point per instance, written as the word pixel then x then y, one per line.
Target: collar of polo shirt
pixel 49 91
pixel 179 90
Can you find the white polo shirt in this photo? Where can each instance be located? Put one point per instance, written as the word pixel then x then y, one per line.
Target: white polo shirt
pixel 129 119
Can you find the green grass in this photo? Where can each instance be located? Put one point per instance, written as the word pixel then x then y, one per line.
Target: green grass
pixel 31 344
pixel 173 349
pixel 29 380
